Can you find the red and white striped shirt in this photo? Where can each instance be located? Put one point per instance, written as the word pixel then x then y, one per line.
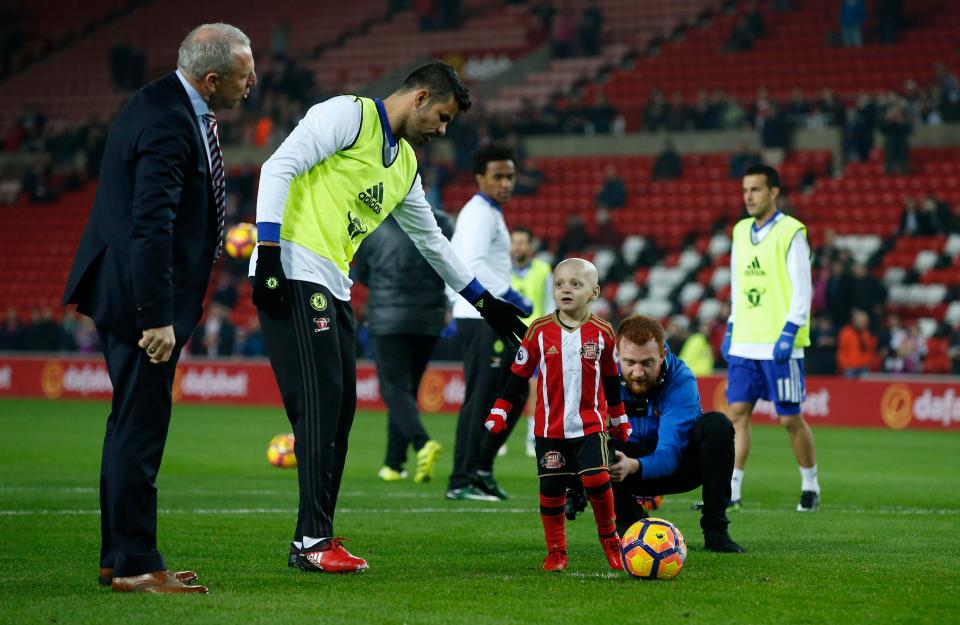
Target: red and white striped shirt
pixel 570 399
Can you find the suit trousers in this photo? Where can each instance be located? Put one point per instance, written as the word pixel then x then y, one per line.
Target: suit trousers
pixel 486 366
pixel 313 356
pixel 133 446
pixel 401 361
pixel 707 461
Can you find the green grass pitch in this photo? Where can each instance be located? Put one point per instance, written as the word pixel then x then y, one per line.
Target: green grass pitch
pixel 884 547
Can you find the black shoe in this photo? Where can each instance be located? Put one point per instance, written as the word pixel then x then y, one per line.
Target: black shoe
pixel 576 503
pixel 720 541
pixel 486 483
pixel 809 501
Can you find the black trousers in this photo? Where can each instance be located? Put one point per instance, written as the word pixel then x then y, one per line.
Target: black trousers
pixel 133 445
pixel 313 356
pixel 707 461
pixel 401 361
pixel 486 365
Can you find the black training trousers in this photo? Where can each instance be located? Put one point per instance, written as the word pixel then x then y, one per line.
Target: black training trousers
pixel 313 356
pixel 707 461
pixel 401 361
pixel 486 365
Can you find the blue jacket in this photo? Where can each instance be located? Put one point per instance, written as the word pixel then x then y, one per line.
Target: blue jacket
pixel 663 419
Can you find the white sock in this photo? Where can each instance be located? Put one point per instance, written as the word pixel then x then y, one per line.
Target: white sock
pixel 310 542
pixel 530 429
pixel 736 481
pixel 809 477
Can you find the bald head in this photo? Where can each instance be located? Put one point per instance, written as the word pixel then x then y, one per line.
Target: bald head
pixel 586 270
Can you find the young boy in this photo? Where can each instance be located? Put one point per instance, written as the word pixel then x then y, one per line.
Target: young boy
pixel 574 350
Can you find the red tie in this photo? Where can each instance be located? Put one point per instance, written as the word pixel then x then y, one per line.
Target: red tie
pixel 216 170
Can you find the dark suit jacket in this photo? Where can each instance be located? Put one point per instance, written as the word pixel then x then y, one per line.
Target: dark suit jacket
pixel 145 257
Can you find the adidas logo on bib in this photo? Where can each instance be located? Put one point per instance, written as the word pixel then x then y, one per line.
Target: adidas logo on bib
pixel 372 197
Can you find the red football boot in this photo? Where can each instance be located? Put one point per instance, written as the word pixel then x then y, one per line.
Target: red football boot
pixel 555 561
pixel 330 557
pixel 611 549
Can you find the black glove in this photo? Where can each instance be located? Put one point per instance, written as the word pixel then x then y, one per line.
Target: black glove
pixel 503 317
pixel 270 292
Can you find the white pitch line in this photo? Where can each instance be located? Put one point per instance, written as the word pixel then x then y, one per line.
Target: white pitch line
pixel 893 511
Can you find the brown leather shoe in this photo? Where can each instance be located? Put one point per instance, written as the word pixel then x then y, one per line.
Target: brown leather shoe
pixel 184 577
pixel 155 582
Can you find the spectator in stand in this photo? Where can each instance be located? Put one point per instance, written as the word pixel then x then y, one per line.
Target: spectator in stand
pixel 822 353
pixel 853 13
pixel 216 337
pixel 896 130
pixel 11 332
pixel 939 214
pixel 797 108
pixel 857 346
pixel 839 293
pixel 606 233
pixel 85 337
pixel 601 118
pixel 830 108
pixel 954 351
pixel 668 165
pixel 916 221
pixel 908 349
pixel 591 28
pixel 743 159
pixel 754 20
pixel 861 125
pixel 563 32
pixel 677 112
pixel 701 115
pixel 741 38
pixel 656 113
pixel 43 333
pixel 776 131
pixel 574 239
pixel 869 294
pixel 613 193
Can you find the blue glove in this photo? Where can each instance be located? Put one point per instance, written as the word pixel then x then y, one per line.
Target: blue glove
pixel 725 345
pixel 519 301
pixel 450 330
pixel 784 345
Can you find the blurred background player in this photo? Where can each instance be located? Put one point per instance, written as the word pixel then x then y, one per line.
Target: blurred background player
pixel 346 166
pixel 533 279
pixel 769 325
pixel 482 242
pixel 574 351
pixel 673 447
pixel 406 311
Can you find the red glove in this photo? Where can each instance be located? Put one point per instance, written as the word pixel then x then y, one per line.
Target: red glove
pixel 497 421
pixel 619 424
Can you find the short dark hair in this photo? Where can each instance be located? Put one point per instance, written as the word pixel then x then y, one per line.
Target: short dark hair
pixel 523 230
pixel 773 178
pixel 490 152
pixel 441 80
pixel 639 329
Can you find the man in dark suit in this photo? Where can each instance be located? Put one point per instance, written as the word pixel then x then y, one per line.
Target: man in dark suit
pixel 141 271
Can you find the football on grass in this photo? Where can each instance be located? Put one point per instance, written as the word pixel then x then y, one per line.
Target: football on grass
pixel 653 549
pixel 280 452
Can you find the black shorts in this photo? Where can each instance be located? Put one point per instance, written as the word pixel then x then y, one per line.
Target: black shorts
pixel 572 456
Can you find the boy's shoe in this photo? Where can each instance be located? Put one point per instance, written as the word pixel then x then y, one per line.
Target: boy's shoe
pixel 391 475
pixel 426 460
pixel 555 561
pixel 576 503
pixel 469 493
pixel 329 556
pixel 809 501
pixel 720 541
pixel 734 506
pixel 486 483
pixel 611 549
